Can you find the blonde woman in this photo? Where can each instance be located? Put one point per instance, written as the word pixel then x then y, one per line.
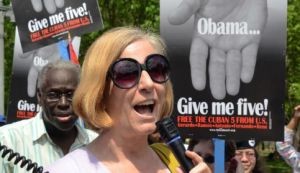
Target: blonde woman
pixel 124 90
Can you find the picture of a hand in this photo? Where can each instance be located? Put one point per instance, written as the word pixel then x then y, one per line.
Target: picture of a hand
pixel 227 33
pixel 49 5
pixel 39 58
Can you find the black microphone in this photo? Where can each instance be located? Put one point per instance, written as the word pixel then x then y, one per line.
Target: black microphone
pixel 170 134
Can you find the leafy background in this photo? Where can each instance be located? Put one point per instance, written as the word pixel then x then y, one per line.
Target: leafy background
pixel 145 14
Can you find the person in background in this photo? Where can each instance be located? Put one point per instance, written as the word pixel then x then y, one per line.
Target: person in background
pixel 205 148
pixel 54 131
pixel 124 90
pixel 249 157
pixel 285 148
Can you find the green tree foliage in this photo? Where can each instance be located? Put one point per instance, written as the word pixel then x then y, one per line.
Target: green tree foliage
pixel 141 13
pixel 9 39
pixel 293 57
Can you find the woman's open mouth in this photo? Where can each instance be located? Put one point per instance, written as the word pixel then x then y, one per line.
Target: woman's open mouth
pixel 145 108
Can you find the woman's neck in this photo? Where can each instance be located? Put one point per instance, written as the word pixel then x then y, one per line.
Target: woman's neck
pixel 121 145
pixel 127 154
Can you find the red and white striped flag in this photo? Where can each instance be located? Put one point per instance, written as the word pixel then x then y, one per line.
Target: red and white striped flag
pixel 72 53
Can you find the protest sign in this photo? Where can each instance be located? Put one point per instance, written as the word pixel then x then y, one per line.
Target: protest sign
pixel 42 23
pixel 228 67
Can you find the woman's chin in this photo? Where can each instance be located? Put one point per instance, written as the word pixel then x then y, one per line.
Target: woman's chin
pixel 148 129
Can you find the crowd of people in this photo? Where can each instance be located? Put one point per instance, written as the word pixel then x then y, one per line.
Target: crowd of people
pixel 121 91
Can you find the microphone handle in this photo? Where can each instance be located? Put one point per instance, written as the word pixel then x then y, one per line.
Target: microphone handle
pixel 178 149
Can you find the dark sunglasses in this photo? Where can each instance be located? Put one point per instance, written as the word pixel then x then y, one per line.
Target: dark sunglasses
pixel 55 96
pixel 208 158
pixel 126 72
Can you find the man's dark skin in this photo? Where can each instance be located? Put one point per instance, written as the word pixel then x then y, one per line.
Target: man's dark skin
pixel 55 97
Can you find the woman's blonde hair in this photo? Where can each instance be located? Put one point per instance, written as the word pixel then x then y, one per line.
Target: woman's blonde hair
pixel 89 98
